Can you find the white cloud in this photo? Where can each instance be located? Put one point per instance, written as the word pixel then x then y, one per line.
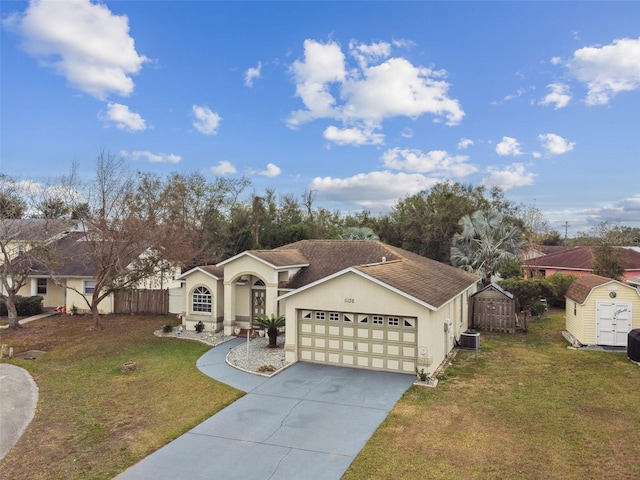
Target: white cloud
pixel 556 60
pixel 251 74
pixel 464 143
pixel 508 146
pixel 559 96
pixel 353 136
pixel 369 92
pixel 607 70
pixel 207 121
pixel 407 133
pixel 511 176
pixel 365 54
pixel 123 118
pixel 271 171
pixel 437 162
pixel 153 157
pixel 555 144
pixel 374 190
pixel 224 167
pixel 84 42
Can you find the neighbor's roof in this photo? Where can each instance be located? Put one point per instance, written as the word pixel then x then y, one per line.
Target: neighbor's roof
pixel 35 229
pixel 581 258
pixel 427 280
pixel 73 257
pixel 580 288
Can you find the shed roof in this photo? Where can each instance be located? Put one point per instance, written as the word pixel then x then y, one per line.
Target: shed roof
pixel 580 288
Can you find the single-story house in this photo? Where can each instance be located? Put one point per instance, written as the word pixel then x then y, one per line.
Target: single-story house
pixel 70 280
pixel 353 303
pixel 577 261
pixel 601 311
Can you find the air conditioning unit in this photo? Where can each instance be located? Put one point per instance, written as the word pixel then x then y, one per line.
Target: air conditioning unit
pixel 470 340
pixel 633 345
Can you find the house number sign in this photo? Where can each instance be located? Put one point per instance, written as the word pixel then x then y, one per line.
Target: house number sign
pixel 349 300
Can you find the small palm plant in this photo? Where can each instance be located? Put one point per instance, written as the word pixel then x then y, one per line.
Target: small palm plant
pixel 272 323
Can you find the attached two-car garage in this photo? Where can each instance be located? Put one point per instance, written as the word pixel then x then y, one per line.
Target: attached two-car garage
pixel 361 340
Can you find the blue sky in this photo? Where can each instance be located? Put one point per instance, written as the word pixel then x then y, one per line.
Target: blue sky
pixel 363 102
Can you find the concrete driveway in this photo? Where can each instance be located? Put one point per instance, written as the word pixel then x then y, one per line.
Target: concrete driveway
pixel 309 421
pixel 18 400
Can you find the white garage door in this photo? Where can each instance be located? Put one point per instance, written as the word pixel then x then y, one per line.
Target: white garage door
pixel 613 323
pixel 361 340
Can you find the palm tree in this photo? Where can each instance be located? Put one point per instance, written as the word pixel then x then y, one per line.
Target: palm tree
pixel 488 241
pixel 272 323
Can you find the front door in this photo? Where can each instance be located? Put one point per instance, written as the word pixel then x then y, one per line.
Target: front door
pixel 258 301
pixel 613 323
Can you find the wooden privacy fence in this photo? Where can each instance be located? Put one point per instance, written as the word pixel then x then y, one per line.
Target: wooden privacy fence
pixel 141 302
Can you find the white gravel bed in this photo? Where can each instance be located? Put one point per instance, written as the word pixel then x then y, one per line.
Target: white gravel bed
pixel 259 354
pixel 256 354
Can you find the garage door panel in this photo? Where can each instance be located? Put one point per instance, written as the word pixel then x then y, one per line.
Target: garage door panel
pixel 372 341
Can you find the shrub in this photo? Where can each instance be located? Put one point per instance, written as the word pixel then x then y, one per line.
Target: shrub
pixel 266 368
pixel 199 327
pixel 25 306
pixel 167 328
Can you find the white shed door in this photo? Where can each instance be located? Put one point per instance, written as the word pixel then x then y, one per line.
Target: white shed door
pixel 360 340
pixel 613 323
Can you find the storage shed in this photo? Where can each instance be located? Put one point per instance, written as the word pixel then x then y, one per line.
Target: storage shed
pixel 601 311
pixel 493 310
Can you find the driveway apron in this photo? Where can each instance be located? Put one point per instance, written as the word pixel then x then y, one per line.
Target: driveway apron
pixel 309 421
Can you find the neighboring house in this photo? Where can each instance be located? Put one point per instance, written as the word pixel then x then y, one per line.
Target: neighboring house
pixel 20 235
pixel 352 303
pixel 601 311
pixel 577 261
pixel 71 278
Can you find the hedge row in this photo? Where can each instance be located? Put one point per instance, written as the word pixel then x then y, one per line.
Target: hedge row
pixel 26 306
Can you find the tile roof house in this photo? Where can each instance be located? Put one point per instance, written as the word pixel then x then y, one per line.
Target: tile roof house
pixel 577 261
pixel 601 311
pixel 353 303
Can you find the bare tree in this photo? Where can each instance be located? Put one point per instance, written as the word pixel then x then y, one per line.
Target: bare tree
pixel 24 243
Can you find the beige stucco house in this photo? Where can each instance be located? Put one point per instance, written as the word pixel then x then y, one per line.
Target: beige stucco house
pixel 601 311
pixel 361 304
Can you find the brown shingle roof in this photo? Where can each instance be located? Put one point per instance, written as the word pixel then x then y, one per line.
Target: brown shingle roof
pixel 580 289
pixel 427 280
pixel 581 258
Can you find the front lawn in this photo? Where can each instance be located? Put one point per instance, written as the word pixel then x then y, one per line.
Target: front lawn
pixel 93 420
pixel 527 408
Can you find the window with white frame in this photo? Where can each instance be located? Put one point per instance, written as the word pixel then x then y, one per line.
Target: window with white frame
pixel 334 317
pixel 201 300
pixel 89 287
pixel 393 321
pixel 41 287
pixel 320 315
pixel 377 320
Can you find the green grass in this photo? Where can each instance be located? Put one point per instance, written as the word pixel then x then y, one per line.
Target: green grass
pixel 527 408
pixel 93 420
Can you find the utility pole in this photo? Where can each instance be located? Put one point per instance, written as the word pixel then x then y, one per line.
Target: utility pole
pixel 566 229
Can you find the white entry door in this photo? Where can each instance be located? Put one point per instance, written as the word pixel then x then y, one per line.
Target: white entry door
pixel 613 323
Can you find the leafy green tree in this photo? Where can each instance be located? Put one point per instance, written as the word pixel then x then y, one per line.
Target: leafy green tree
pixel 272 323
pixel 425 223
pixel 527 292
pixel 511 269
pixel 559 283
pixel 358 233
pixel 12 203
pixel 487 242
pixel 608 262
